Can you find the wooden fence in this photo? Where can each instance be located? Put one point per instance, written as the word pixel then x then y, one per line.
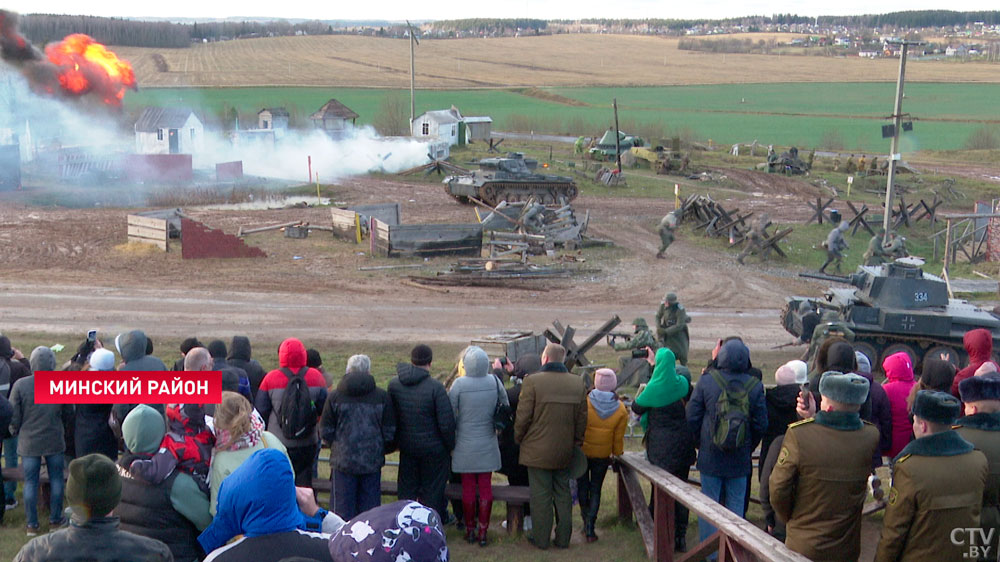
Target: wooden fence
pixel 735 540
pixel 148 230
pixel 346 225
pixel 425 239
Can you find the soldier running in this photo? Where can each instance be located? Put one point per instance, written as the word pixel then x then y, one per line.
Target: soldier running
pixel 755 239
pixel 835 245
pixel 668 224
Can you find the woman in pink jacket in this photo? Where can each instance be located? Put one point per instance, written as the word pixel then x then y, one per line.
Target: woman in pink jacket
pixel 899 371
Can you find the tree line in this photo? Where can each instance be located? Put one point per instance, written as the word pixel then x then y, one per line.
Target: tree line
pixel 913 19
pixel 488 25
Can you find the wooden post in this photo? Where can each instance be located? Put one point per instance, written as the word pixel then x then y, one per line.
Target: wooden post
pixel 372 235
pixel 618 147
pixel 309 161
pixel 319 200
pixel 947 257
pixel 663 528
pixel 624 505
pixel 357 227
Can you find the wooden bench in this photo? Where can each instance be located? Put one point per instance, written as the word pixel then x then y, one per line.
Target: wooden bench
pixel 516 497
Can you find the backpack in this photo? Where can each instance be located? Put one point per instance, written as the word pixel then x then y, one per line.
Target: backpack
pixel 730 426
pixel 297 412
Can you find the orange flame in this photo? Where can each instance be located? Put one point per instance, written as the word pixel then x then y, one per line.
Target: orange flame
pixel 86 65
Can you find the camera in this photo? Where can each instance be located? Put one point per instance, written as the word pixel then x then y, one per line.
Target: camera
pixel 640 353
pixel 92 335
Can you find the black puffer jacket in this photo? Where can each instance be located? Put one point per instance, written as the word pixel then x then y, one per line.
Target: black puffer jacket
pixel 92 433
pixel 780 402
pixel 98 540
pixel 425 420
pixel 669 443
pixel 360 424
pixel 240 355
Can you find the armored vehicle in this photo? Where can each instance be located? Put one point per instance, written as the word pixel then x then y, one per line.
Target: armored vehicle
pixel 606 148
pixel 510 179
pixel 898 307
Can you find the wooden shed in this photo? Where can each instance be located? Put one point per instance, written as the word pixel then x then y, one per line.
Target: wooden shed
pixel 334 118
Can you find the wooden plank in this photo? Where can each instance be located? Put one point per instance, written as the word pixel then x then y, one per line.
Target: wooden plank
pixel 146 232
pixel 161 244
pixel 160 224
pixel 638 500
pixel 748 535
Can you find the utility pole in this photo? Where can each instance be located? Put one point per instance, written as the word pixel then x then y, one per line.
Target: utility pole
pixel 897 122
pixel 618 134
pixel 413 41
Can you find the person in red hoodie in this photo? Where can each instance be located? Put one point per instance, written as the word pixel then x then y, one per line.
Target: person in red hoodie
pixel 979 346
pixel 898 369
pixel 292 361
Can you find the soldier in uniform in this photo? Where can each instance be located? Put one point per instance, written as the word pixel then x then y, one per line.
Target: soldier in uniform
pixel 635 366
pixel 755 238
pixel 808 320
pixel 896 247
pixel 671 327
pixel 876 253
pixel 850 167
pixel 819 483
pixel 830 326
pixel 861 164
pixel 668 224
pixel 981 427
pixel 835 245
pixel 937 487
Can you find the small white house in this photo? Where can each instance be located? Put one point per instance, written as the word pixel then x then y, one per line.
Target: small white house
pixel 273 118
pixel 168 130
pixel 442 124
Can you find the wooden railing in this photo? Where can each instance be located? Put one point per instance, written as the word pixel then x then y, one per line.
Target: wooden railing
pixel 735 540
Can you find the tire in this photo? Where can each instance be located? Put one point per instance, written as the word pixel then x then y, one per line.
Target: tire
pixel 896 348
pixel 940 351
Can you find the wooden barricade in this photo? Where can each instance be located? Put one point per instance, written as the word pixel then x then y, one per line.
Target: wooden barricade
pixel 146 230
pixel 378 235
pixel 736 538
pixel 346 225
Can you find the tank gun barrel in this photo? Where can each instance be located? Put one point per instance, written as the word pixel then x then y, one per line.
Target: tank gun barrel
pixel 855 279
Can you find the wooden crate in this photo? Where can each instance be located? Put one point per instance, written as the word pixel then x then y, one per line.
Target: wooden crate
pixel 147 230
pixel 511 345
pixel 346 225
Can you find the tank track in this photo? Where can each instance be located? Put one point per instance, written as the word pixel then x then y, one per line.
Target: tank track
pixel 547 193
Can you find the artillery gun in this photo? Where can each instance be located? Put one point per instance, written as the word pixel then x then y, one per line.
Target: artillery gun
pixel 898 307
pixel 510 179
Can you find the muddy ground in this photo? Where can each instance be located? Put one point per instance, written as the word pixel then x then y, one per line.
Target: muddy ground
pixel 65 270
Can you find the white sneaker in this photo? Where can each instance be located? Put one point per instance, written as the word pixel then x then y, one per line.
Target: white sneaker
pixel 503 523
pixel 527 523
pixel 11 504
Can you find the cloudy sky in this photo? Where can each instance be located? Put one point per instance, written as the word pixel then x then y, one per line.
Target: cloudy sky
pixel 449 9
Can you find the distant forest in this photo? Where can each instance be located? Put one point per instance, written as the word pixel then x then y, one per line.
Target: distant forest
pixel 44 28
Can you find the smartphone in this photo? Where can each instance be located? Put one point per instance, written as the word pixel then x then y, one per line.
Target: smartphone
pixel 92 335
pixel 805 394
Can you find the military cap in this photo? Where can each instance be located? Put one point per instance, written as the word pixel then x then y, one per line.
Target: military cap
pixel 983 387
pixel 846 388
pixel 670 298
pixel 936 407
pixel 640 322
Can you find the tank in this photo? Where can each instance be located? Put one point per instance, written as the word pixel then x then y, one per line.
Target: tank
pixel 898 307
pixel 510 179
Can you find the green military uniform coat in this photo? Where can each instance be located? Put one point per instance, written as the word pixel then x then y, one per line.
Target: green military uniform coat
pixel 825 330
pixel 672 330
pixel 819 484
pixel 983 431
pixel 937 486
pixel 641 339
pixel 666 231
pixel 875 254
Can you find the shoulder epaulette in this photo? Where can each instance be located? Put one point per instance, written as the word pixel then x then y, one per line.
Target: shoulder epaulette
pixel 867 422
pixel 902 458
pixel 798 423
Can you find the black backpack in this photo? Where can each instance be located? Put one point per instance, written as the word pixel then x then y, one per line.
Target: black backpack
pixel 297 411
pixel 730 426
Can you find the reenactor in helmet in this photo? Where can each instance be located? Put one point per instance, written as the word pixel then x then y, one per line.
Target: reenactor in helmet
pixel 671 327
pixel 631 366
pixel 896 248
pixel 981 427
pixel 850 167
pixel 830 326
pixel 861 164
pixel 641 337
pixel 819 483
pixel 937 487
pixel 755 238
pixel 876 253
pixel 666 230
pixel 835 245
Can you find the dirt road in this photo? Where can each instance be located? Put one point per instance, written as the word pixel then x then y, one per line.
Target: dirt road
pixel 66 271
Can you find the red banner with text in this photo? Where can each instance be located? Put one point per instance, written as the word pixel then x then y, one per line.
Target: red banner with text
pixel 128 387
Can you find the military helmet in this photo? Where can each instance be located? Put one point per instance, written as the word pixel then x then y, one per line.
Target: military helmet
pixel 640 323
pixel 670 298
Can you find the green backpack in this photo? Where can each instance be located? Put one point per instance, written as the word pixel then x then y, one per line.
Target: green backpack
pixel 732 413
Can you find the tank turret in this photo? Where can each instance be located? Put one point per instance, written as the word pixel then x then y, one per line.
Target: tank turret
pixel 897 307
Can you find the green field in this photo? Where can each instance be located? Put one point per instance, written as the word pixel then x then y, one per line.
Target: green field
pixel 827 116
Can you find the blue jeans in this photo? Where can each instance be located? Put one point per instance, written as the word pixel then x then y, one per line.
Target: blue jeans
pixel 32 465
pixel 10 461
pixel 352 494
pixel 727 491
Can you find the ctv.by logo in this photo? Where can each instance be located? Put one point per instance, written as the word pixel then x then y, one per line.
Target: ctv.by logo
pixel 978 541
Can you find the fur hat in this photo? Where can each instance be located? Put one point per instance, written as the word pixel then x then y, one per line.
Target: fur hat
pixel 102 360
pixel 606 380
pixel 980 387
pixel 936 407
pixel 844 388
pixel 94 487
pixel 864 363
pixel 421 355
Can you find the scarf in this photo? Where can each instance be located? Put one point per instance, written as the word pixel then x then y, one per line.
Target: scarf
pixel 665 386
pixel 226 441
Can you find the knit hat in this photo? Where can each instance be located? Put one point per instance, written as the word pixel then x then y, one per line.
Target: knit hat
pixel 94 487
pixel 421 355
pixel 980 387
pixel 864 364
pixel 476 362
pixel 986 367
pixel 784 375
pixel 217 349
pixel 936 407
pixel 102 360
pixel 606 380
pixel 844 388
pixel 42 359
